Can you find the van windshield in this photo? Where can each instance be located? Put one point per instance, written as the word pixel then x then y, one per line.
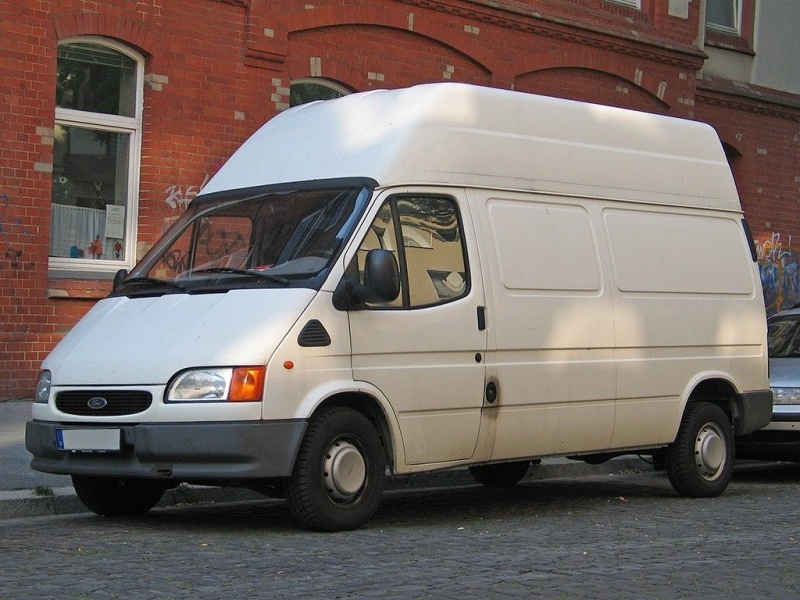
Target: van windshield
pixel 268 239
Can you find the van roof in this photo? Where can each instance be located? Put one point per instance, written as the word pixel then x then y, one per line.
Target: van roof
pixel 464 135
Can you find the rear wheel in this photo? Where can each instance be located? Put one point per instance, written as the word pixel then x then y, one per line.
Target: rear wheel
pixel 700 461
pixel 340 471
pixel 500 474
pixel 113 497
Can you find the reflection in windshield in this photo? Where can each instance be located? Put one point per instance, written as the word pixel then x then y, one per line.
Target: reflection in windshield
pixel 784 337
pixel 281 238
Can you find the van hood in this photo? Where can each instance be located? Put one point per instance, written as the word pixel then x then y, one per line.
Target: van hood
pixel 145 341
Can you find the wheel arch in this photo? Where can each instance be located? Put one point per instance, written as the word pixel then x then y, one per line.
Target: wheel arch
pixel 716 390
pixel 372 410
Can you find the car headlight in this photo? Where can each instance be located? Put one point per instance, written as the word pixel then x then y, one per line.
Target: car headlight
pixel 231 384
pixel 42 394
pixel 785 395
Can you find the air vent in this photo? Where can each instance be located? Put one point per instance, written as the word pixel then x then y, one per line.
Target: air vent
pixel 314 334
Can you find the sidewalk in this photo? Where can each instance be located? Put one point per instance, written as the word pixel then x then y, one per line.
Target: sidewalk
pixel 28 493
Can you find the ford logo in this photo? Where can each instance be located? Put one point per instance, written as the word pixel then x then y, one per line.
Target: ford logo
pixel 97 403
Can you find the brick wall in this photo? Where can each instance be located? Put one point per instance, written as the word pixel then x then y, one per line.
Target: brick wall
pixel 765 143
pixel 217 69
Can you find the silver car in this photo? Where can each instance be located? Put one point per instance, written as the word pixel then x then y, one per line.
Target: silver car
pixel 780 440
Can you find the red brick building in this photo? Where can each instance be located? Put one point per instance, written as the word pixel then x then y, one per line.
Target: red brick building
pixel 115 113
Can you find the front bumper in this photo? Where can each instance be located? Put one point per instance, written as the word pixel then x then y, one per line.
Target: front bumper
pixel 182 452
pixel 779 440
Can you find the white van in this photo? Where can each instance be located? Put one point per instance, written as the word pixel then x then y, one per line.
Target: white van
pixel 420 279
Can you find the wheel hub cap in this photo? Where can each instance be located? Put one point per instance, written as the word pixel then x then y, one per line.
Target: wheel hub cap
pixel 344 471
pixel 709 451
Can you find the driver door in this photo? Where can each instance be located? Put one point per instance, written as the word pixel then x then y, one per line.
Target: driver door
pixel 424 351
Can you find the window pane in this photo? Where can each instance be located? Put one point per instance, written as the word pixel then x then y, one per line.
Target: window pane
pixel 96 79
pixel 722 13
pixel 381 235
pixel 301 93
pixel 90 191
pixel 433 250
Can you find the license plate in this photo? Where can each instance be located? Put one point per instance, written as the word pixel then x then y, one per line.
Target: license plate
pixel 89 440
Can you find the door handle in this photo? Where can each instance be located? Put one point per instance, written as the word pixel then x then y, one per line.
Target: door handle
pixel 481 318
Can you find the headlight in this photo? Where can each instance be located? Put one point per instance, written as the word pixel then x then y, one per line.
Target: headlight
pixel 43 388
pixel 785 395
pixel 239 384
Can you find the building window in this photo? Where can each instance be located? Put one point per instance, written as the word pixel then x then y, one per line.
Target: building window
pixel 97 139
pixel 724 15
pixel 307 90
pixel 632 3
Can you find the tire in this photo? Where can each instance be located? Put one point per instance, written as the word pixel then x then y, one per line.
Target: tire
pixel 112 497
pixel 339 474
pixel 500 474
pixel 699 462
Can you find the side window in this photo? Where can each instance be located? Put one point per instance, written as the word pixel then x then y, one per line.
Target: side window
pixel 382 235
pixel 95 152
pixel 429 249
pixel 724 15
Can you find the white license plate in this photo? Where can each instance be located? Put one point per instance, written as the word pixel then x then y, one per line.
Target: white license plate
pixel 89 440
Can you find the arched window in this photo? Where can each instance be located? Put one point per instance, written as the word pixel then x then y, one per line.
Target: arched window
pixel 97 141
pixel 311 89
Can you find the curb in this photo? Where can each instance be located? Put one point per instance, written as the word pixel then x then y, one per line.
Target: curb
pixel 42 502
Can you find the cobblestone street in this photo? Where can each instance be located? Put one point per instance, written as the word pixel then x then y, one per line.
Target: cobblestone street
pixel 609 536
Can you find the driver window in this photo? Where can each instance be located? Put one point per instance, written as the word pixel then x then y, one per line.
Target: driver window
pixel 381 235
pixel 430 254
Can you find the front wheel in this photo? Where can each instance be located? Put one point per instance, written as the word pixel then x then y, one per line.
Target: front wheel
pixel 699 462
pixel 114 497
pixel 340 471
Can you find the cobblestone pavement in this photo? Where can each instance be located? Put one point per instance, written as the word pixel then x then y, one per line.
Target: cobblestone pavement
pixel 611 536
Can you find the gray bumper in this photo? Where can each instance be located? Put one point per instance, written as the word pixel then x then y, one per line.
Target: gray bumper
pixel 753 410
pixel 191 452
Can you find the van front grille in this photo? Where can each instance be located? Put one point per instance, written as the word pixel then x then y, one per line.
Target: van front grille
pixel 103 403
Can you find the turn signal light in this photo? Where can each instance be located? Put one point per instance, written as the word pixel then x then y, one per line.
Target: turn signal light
pixel 247 384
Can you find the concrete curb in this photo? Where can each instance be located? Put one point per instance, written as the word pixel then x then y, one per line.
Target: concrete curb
pixel 41 502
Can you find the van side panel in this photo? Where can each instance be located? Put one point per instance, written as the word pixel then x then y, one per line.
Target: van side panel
pixel 684 296
pixel 551 336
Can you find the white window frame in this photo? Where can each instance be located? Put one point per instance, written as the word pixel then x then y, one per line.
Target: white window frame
pixel 637 4
pixel 737 15
pixel 131 126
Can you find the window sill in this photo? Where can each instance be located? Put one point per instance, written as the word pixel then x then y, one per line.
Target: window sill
pixel 67 289
pixel 727 41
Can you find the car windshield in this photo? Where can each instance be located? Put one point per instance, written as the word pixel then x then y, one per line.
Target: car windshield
pixel 273 239
pixel 784 337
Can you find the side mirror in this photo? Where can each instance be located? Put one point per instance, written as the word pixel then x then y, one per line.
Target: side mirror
pixel 381 282
pixel 119 276
pixel 381 277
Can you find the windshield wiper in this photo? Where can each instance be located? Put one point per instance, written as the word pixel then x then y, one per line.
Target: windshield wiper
pixel 154 281
pixel 244 272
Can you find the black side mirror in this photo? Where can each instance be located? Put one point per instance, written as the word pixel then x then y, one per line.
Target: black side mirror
pixel 381 277
pixel 381 282
pixel 119 276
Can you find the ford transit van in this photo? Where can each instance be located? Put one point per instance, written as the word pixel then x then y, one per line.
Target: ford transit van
pixel 401 281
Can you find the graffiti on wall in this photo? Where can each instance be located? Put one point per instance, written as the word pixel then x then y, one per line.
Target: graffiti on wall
pixel 178 197
pixel 779 265
pixel 9 225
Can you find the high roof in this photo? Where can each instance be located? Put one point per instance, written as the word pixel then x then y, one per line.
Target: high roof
pixel 464 135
